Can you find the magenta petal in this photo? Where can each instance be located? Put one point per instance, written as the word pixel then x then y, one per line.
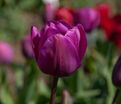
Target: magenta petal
pixel 49 32
pixel 83 42
pixel 63 29
pixel 53 58
pixel 66 24
pixel 74 36
pixel 35 36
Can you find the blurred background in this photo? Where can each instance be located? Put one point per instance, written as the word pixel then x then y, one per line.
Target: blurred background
pixel 22 82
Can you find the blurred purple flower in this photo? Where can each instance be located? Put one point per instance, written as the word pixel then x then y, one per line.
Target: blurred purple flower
pixel 66 97
pixel 6 53
pixel 27 47
pixel 59 48
pixel 116 75
pixel 88 17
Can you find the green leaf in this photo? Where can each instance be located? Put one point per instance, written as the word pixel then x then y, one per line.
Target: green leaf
pixel 5 96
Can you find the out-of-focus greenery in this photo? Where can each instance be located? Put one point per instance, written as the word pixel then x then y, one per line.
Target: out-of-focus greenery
pixel 12 23
pixel 91 84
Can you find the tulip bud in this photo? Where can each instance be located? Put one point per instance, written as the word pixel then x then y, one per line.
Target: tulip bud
pixel 116 75
pixel 65 14
pixel 6 53
pixel 88 17
pixel 51 45
pixel 66 99
pixel 27 47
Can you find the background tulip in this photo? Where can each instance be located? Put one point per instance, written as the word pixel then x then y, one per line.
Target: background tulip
pixel 27 47
pixel 49 11
pixel 6 53
pixel 105 13
pixel 52 44
pixel 66 99
pixel 50 7
pixel 112 27
pixel 88 17
pixel 66 14
pixel 55 3
pixel 116 34
pixel 116 75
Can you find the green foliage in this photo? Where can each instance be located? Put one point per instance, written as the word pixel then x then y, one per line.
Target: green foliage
pixel 12 26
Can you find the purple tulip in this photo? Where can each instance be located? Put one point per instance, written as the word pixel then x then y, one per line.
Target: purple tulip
pixel 27 47
pixel 59 48
pixel 88 17
pixel 66 97
pixel 6 53
pixel 116 75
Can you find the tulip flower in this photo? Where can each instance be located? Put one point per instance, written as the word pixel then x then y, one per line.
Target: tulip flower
pixel 55 3
pixel 105 13
pixel 66 97
pixel 50 7
pixel 52 44
pixel 88 17
pixel 112 27
pixel 116 75
pixel 116 33
pixel 6 53
pixel 27 47
pixel 116 78
pixel 49 11
pixel 65 14
pixel 58 49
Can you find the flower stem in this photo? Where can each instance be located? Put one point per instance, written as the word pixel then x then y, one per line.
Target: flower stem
pixel 53 91
pixel 115 97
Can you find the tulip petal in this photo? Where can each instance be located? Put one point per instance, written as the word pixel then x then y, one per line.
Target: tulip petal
pixel 74 36
pixel 83 42
pixel 66 24
pixel 53 56
pixel 35 36
pixel 49 32
pixel 62 27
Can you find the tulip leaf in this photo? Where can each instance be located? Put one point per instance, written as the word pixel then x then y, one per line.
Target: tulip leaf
pixel 5 96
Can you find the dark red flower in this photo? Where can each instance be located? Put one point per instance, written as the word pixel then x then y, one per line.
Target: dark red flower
pixel 112 27
pixel 117 29
pixel 66 14
pixel 104 11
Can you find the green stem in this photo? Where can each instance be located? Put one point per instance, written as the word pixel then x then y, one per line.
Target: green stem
pixel 115 97
pixel 53 91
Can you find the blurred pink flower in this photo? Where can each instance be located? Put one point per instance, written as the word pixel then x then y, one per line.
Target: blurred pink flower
pixel 6 53
pixel 49 12
pixel 66 97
